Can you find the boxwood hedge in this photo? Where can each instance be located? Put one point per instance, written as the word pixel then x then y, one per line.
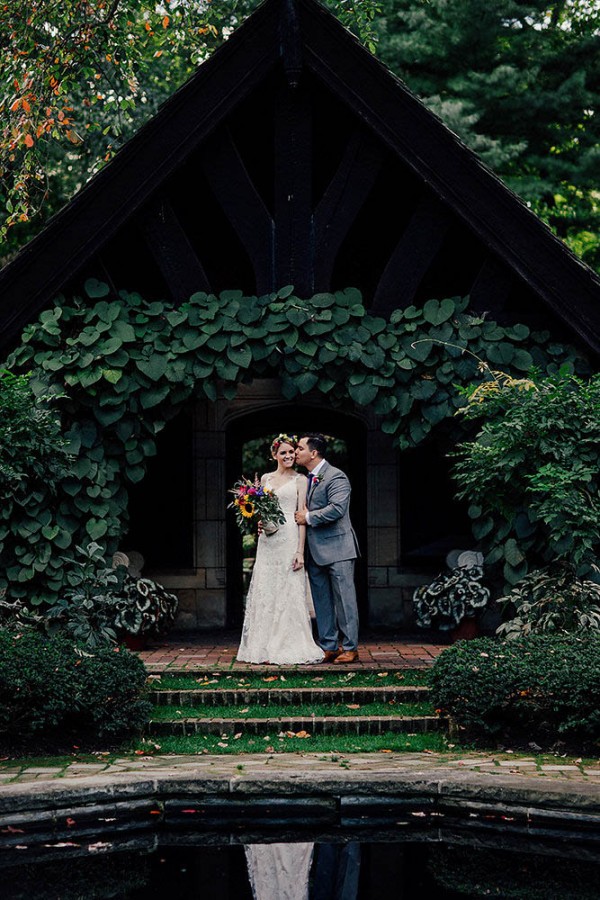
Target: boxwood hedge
pixel 536 689
pixel 53 698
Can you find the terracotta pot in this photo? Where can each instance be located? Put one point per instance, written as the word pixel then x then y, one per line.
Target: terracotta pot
pixel 466 629
pixel 135 642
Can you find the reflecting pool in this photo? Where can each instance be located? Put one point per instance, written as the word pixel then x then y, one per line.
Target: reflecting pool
pixel 407 864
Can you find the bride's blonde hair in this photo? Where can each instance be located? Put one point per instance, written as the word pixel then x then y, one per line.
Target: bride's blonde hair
pixel 283 439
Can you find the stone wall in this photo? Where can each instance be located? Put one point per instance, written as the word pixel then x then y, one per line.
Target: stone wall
pixel 203 591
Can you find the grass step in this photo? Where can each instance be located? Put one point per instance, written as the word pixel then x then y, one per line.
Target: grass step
pixel 289 695
pixel 316 677
pixel 300 726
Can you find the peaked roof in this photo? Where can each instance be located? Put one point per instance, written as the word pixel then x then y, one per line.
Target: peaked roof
pixel 301 36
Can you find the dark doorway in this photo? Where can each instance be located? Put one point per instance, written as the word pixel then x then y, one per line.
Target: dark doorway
pixel 161 505
pixel 293 419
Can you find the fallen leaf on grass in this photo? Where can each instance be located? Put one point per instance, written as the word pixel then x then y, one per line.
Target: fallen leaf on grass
pixel 272 678
pixel 385 751
pixel 381 674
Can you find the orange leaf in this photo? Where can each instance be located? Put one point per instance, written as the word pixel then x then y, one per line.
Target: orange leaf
pixel 352 705
pixel 165 22
pixel 29 140
pixel 15 105
pixel 26 106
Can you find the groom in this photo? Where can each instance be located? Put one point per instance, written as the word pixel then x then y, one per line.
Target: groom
pixel 332 550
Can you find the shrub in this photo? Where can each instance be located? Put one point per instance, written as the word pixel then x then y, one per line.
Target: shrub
pixel 52 696
pixel 99 604
pixel 531 474
pixel 553 599
pixel 539 688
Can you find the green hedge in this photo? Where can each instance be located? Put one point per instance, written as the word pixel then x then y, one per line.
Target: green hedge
pixel 52 697
pixel 538 688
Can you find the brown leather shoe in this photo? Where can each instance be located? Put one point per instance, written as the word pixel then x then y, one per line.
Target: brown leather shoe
pixel 330 656
pixel 347 656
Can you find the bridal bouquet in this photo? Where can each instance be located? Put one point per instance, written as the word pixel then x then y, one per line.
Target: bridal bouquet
pixel 253 502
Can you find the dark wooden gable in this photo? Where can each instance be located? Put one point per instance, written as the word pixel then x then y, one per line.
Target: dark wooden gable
pixel 294 157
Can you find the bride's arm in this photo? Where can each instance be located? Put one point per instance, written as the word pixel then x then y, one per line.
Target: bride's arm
pixel 301 503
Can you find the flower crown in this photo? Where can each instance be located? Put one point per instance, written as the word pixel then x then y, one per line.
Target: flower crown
pixel 283 439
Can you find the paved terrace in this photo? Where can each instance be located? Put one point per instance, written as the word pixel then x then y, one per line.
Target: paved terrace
pixel 217 651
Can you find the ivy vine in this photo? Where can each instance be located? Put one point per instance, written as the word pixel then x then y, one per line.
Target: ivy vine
pixel 125 366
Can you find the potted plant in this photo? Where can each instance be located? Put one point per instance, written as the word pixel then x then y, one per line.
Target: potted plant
pixel 143 608
pixel 453 599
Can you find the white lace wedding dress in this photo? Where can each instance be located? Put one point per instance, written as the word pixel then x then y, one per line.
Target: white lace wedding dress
pixel 279 871
pixel 277 627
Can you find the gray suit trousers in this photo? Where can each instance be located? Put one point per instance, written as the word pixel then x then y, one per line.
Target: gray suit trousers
pixel 334 599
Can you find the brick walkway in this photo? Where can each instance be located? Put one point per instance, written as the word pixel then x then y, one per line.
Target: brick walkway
pixel 216 650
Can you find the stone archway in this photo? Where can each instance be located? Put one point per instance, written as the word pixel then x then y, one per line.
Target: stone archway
pixel 258 412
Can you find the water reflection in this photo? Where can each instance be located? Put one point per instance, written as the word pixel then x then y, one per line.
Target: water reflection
pixel 304 871
pixel 406 865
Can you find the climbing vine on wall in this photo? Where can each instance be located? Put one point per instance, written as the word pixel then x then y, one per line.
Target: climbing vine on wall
pixel 127 365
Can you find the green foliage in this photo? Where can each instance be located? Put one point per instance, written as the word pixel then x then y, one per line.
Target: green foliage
pixel 552 599
pixel 450 597
pixel 87 607
pixel 53 696
pixel 127 365
pixel 31 444
pixel 519 82
pixel 542 687
pixel 97 604
pixel 532 473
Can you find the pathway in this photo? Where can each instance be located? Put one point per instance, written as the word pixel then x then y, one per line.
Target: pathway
pixel 216 650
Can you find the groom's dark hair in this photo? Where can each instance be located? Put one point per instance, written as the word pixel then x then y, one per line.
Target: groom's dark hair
pixel 317 442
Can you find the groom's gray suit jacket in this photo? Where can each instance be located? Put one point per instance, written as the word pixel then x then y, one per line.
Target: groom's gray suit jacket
pixel 330 535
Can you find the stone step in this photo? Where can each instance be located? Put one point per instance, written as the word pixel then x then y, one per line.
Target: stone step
pixel 296 696
pixel 312 725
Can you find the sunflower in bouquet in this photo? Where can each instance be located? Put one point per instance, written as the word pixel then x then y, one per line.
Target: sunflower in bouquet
pixel 253 502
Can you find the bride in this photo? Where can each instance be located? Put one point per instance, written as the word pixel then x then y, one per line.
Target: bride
pixel 277 627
